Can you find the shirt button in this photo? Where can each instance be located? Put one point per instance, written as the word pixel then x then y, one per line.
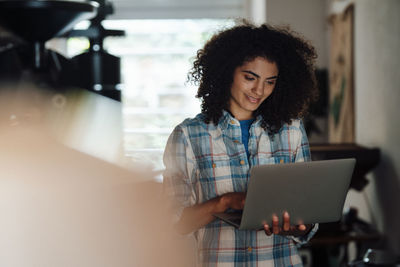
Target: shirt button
pixel 249 249
pixel 214 165
pixel 236 141
pixel 233 122
pixel 242 162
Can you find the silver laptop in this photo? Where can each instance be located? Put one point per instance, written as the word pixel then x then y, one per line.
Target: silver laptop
pixel 312 192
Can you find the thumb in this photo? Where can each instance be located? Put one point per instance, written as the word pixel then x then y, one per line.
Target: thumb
pixel 302 227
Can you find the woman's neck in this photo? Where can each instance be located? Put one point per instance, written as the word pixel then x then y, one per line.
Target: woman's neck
pixel 241 116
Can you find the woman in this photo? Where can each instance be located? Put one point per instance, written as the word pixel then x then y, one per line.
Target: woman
pixel 255 83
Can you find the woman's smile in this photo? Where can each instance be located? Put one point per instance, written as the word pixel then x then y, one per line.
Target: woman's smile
pixel 254 100
pixel 253 82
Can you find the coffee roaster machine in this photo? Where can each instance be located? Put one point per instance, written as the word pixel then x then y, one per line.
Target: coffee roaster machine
pixel 25 27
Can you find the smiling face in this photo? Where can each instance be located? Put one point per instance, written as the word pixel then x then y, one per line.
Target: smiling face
pixel 252 83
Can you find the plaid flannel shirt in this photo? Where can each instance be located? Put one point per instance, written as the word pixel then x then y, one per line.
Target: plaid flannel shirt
pixel 204 161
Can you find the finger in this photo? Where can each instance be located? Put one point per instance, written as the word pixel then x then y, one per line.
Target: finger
pixel 302 227
pixel 267 230
pixel 275 224
pixel 286 221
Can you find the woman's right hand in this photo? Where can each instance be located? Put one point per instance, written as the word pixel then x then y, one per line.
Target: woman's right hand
pixel 233 200
pixel 199 215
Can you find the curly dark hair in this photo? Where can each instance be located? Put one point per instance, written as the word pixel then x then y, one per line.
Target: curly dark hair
pixel 295 88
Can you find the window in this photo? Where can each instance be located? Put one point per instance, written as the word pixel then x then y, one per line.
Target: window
pixel 156 56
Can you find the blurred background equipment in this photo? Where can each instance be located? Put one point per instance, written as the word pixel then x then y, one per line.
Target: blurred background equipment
pixel 30 24
pixel 48 87
pixel 330 246
pixel 99 71
pixel 367 159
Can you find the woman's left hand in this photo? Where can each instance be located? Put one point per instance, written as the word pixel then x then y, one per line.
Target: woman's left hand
pixel 286 228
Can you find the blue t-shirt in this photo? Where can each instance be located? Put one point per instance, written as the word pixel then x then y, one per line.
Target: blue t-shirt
pixel 245 127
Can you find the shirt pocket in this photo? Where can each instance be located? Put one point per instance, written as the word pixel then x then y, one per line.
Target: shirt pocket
pixel 215 176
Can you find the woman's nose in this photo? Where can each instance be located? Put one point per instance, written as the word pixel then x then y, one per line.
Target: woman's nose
pixel 259 89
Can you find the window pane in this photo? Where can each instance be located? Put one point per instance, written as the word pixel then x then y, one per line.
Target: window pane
pixel 156 56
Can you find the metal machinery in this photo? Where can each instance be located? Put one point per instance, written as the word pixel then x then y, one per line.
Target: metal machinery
pixel 26 25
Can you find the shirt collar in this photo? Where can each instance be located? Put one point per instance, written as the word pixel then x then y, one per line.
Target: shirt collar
pixel 227 119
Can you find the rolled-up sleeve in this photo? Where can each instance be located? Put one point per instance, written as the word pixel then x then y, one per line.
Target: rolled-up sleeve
pixel 179 171
pixel 300 240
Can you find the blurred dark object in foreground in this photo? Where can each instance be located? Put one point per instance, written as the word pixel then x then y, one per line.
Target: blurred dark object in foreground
pixel 31 24
pixel 24 58
pixel 366 159
pixel 100 71
pixel 39 21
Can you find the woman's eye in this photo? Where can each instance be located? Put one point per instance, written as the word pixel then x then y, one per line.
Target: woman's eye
pixel 249 78
pixel 271 82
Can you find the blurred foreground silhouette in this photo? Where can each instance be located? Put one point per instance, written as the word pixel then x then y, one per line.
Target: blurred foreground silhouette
pixel 64 199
